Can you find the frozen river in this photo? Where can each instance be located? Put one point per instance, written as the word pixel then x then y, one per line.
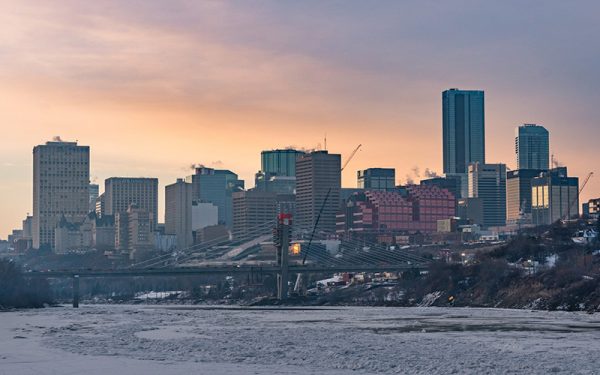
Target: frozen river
pixel 361 340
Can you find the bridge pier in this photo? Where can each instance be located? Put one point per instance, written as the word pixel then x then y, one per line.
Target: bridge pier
pixel 75 291
pixel 283 249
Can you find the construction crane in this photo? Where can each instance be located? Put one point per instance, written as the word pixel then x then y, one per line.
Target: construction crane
pixel 350 157
pixel 576 199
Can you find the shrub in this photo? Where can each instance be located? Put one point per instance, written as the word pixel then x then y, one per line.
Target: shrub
pixel 17 291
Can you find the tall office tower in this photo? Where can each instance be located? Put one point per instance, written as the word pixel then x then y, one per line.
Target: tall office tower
pixel 555 196
pixel 463 133
pixel 518 195
pixel 278 171
pixel 317 173
pixel 216 186
pixel 61 177
pixel 94 191
pixel 178 212
pixel 488 182
pixel 121 192
pixel 280 162
pixel 376 179
pixel 254 213
pixel 532 147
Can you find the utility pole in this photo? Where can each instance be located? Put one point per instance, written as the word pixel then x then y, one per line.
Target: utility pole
pixel 282 243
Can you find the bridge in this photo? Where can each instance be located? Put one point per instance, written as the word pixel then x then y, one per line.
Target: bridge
pixel 319 252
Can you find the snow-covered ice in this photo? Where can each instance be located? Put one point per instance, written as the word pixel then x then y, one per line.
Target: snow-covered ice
pixel 117 339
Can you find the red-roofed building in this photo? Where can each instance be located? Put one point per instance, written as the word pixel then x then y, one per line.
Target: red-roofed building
pixel 411 209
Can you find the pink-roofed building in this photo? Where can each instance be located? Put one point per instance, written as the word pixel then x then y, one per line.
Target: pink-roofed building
pixel 411 209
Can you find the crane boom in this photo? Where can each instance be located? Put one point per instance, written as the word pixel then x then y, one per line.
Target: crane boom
pixel 576 199
pixel 351 156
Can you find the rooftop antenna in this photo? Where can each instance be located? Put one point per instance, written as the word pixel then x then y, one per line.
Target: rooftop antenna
pixel 325 141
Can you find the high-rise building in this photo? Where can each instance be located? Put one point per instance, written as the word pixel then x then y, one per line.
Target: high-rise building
pixel 253 211
pixel 278 171
pixel 376 179
pixel 178 212
pixel 94 191
pixel 532 147
pixel 216 186
pixel 555 196
pixel 518 195
pixel 463 132
pixel 488 182
pixel 121 192
pixel 318 183
pixel 280 162
pixel 61 177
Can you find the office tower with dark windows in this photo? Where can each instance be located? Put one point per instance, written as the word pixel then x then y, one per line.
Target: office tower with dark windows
pixel 518 195
pixel 463 119
pixel 488 182
pixel 554 196
pixel 532 147
pixel 121 192
pixel 61 177
pixel 318 184
pixel 278 171
pixel 376 179
pixel 216 186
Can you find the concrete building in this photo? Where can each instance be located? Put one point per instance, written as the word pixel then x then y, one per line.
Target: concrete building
pixel 94 193
pixel 178 212
pixel 518 195
pixel 61 177
pixel 204 214
pixel 532 147
pixel 68 237
pixel 463 133
pixel 216 186
pixel 100 206
pixel 554 197
pixel 470 209
pixel 133 234
pixel 252 212
pixel 376 179
pixel 213 234
pixel 318 176
pixel 488 182
pixel 593 208
pixel 121 192
pixel 103 233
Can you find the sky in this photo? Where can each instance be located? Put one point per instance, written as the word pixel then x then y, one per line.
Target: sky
pixel 156 86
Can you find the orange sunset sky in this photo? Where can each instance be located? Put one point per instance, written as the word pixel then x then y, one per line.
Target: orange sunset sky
pixel 153 86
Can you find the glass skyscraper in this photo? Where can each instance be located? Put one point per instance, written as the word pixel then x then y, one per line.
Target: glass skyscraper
pixel 376 179
pixel 280 162
pixel 463 132
pixel 532 147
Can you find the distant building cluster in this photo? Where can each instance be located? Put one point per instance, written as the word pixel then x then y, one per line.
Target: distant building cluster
pixel 211 205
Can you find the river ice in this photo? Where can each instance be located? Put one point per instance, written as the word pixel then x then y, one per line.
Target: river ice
pixel 117 339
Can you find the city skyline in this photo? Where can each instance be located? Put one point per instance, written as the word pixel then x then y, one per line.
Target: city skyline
pixel 154 119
